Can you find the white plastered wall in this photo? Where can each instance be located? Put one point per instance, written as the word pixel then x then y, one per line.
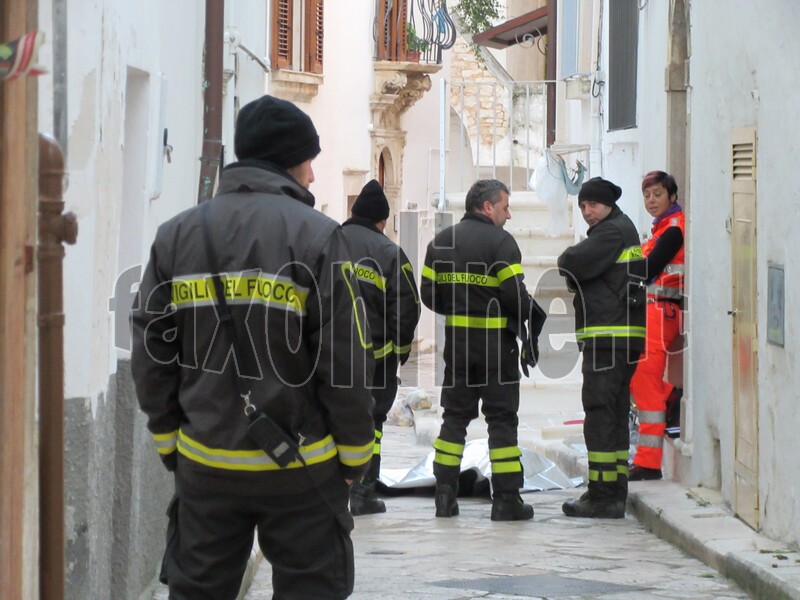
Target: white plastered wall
pixel 738 81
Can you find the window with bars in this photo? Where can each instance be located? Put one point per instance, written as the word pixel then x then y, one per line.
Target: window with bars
pixel 623 39
pixel 297 35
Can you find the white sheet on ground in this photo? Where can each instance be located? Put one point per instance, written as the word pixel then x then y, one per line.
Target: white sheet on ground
pixel 540 473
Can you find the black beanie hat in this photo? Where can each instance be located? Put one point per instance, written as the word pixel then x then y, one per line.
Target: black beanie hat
pixel 600 190
pixel 372 203
pixel 275 130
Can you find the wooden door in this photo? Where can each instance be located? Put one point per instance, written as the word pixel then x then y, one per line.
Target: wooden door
pixel 745 333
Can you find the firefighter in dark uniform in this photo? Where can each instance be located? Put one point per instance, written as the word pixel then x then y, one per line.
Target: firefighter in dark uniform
pixel 606 271
pixel 473 275
pixel 293 301
pixel 391 300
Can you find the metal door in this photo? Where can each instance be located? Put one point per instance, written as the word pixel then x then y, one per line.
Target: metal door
pixel 745 334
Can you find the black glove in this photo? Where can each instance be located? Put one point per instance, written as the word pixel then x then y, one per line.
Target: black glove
pixel 529 355
pixel 403 357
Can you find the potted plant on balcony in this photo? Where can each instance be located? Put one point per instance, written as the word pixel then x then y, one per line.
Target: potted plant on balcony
pixel 415 45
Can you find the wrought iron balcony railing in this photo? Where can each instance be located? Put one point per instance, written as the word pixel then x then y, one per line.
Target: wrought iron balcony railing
pixel 413 30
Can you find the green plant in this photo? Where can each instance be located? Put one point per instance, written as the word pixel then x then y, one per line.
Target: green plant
pixel 414 42
pixel 474 16
pixel 477 15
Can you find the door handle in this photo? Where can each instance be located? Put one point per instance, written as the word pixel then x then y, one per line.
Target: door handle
pixel 733 312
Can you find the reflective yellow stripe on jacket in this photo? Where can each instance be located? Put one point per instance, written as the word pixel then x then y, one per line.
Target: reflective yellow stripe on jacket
pixel 630 254
pixel 460 278
pixel 370 276
pixel 610 331
pixel 257 460
pixel 509 272
pixel 166 443
pixel 476 322
pixel 264 288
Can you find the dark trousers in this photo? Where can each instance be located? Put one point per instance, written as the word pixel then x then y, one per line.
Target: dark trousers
pixel 210 536
pixel 384 391
pixel 484 369
pixel 606 403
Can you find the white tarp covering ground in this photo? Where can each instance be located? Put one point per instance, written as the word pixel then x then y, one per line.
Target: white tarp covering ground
pixel 540 473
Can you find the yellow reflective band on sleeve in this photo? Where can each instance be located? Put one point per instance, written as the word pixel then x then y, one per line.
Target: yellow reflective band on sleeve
pixel 503 453
pixel 631 254
pixel 355 456
pixel 428 273
pixel 510 466
pixel 166 443
pixel 378 434
pixel 408 272
pixel 448 460
pixel 370 276
pixel 467 279
pixel 449 447
pixel 623 455
pixel 384 351
pixel 603 457
pixel 508 272
pixel 621 331
pixel 622 470
pixel 252 460
pixel 265 288
pixel 606 476
pixel 477 322
pixel 347 266
pixel 402 349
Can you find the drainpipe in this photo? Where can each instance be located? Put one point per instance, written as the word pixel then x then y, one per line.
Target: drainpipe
pixel 212 115
pixel 60 126
pixel 550 69
pixel 54 229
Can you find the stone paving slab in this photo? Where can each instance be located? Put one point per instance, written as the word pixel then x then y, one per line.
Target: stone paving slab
pixel 407 553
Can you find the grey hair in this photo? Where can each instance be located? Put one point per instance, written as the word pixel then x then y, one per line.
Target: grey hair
pixel 483 190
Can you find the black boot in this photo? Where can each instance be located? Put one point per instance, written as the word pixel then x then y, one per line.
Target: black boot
pixel 363 500
pixel 508 506
pixel 637 473
pixel 445 499
pixel 608 506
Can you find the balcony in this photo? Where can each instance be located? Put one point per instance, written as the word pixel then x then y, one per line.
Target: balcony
pixel 412 31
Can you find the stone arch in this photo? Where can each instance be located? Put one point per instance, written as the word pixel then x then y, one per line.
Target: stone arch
pixel 387 162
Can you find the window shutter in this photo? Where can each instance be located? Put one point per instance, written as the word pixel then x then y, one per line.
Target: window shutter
pixel 623 38
pixel 314 35
pixel 282 25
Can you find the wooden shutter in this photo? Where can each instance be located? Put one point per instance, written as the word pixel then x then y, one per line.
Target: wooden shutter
pixel 314 35
pixel 282 25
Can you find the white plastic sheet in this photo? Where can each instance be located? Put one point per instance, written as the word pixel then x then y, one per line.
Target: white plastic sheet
pixel 548 182
pixel 540 473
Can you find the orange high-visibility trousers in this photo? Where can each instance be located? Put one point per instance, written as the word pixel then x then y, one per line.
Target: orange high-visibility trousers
pixel 650 391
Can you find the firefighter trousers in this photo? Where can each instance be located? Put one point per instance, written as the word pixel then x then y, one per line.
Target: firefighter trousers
pixel 210 537
pixel 384 391
pixel 650 391
pixel 606 403
pixel 489 373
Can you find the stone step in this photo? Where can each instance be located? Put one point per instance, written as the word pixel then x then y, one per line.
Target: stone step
pixel 535 240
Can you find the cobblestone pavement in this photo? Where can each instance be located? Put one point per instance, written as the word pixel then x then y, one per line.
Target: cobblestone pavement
pixel 407 553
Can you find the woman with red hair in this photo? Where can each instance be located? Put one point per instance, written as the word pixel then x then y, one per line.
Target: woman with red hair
pixel 658 401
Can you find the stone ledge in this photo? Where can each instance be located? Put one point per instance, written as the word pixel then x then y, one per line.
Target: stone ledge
pixel 297 86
